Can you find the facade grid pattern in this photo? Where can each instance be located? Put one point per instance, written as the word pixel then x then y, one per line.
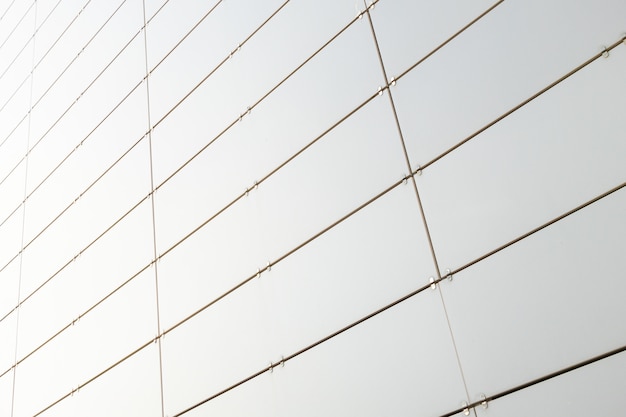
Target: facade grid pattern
pixel 309 207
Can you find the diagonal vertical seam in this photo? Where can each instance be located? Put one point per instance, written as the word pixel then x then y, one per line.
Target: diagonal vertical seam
pixel 154 238
pixel 402 141
pixel 419 201
pixel 7 10
pixel 19 279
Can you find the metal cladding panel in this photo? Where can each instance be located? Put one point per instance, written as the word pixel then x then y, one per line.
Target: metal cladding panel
pixel 312 207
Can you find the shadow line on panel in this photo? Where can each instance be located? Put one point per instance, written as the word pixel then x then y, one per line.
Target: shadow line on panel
pixel 237 119
pixel 525 102
pixel 487 399
pixel 431 285
pixel 56 80
pixel 18 23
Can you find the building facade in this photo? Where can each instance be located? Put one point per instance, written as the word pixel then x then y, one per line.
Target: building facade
pixel 312 207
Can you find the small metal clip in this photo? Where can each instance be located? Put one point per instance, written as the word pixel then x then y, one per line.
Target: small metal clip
pixel 254 187
pixel 466 410
pixel 483 401
pixel 449 274
pixel 392 82
pixel 268 267
pixel 258 272
pixel 237 49
pixel 380 91
pixel 418 171
pixel 247 112
pixel 433 284
pixel 605 52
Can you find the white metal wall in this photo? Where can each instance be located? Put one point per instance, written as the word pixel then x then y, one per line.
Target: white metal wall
pixel 312 207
